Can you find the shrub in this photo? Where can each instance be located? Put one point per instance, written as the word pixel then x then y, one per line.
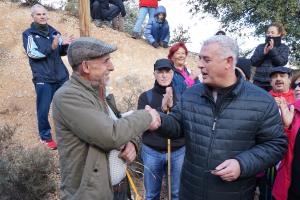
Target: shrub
pixel 131 16
pixel 24 173
pixel 131 87
pixel 6 134
pixel 180 34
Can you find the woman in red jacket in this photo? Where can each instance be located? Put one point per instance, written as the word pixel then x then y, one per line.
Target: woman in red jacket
pixel 287 174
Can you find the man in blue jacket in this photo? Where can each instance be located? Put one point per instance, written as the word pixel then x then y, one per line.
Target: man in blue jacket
pixel 44 47
pixel 232 128
pixel 157 32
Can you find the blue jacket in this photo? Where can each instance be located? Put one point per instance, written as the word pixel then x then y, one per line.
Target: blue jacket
pixel 46 64
pixel 158 31
pixel 243 124
pixel 179 84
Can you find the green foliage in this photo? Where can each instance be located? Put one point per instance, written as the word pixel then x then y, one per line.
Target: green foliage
pixel 238 14
pixel 132 10
pixel 180 34
pixel 24 174
pixel 72 7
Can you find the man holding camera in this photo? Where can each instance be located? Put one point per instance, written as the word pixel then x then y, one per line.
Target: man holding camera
pixel 44 47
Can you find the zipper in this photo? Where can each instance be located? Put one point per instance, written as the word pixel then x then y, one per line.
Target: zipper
pixel 214 125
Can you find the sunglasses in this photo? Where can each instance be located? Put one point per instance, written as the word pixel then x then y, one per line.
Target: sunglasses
pixel 296 85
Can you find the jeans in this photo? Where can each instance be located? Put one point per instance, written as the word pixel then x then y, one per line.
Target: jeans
pixel 143 11
pixel 44 95
pixel 155 166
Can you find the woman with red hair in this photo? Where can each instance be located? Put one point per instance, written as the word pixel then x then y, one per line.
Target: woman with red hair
pixel 183 78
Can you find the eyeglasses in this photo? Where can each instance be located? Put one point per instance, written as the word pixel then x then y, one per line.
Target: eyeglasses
pixel 296 85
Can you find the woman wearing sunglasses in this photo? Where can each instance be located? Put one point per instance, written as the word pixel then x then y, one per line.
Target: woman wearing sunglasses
pixel 287 182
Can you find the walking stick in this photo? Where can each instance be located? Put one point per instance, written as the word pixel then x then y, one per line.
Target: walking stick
pixel 169 169
pixel 137 196
pixel 169 166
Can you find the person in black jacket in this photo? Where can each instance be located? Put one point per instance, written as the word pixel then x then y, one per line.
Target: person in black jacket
pixel 104 11
pixel 272 53
pixel 232 128
pixel 154 148
pixel 44 47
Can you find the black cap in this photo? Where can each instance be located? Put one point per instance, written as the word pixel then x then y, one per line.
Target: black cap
pixel 163 64
pixel 245 65
pixel 283 70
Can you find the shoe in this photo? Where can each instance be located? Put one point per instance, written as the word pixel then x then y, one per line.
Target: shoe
pixel 135 35
pixel 98 23
pixel 50 144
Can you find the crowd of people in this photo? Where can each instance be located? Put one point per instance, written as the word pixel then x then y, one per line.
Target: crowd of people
pixel 112 12
pixel 221 137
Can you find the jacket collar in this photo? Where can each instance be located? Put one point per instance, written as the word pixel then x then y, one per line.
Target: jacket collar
pixel 237 87
pixel 99 91
pixel 282 94
pixel 52 31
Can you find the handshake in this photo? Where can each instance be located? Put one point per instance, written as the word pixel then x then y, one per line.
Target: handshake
pixel 156 121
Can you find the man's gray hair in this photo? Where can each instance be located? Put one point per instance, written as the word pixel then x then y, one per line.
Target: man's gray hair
pixel 34 7
pixel 228 46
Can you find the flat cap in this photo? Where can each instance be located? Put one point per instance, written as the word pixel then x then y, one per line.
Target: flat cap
pixel 283 70
pixel 86 48
pixel 163 64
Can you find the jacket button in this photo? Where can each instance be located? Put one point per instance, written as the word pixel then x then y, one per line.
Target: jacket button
pixel 95 170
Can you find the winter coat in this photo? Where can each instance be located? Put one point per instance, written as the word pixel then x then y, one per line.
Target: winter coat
pixel 148 3
pixel 157 31
pixel 278 56
pixel 120 5
pixel 294 192
pixel 153 98
pixel 244 125
pixel 85 134
pixel 288 96
pixel 283 177
pixel 46 64
pixel 103 3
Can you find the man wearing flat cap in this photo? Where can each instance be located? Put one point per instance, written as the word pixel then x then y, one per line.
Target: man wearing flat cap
pixel 281 84
pixel 86 131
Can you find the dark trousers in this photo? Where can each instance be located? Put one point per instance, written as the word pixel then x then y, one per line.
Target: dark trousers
pixel 98 12
pixel 44 95
pixel 265 184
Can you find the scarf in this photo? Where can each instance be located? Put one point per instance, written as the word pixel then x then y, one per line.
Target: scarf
pixel 42 28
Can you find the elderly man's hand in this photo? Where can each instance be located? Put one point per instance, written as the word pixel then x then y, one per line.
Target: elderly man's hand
pixel 67 39
pixel 55 41
pixel 167 101
pixel 128 152
pixel 229 170
pixel 155 124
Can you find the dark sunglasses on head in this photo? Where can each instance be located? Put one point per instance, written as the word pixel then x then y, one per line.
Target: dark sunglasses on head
pixel 296 85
